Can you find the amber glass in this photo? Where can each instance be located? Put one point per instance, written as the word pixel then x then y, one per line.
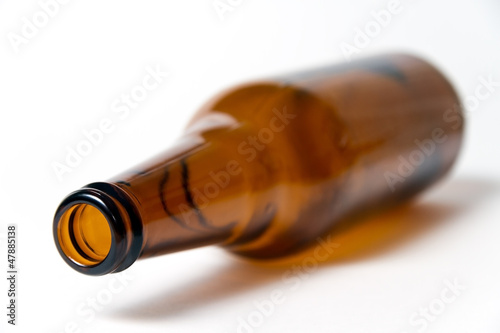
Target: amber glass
pixel 266 167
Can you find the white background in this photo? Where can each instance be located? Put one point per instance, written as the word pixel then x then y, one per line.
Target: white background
pixel 64 79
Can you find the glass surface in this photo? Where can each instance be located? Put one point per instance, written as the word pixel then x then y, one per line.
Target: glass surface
pixel 265 168
pixel 84 234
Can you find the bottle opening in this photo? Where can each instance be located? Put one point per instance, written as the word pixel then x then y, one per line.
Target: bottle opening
pixel 97 230
pixel 84 234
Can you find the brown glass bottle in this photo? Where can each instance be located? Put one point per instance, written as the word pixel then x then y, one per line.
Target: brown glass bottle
pixel 266 167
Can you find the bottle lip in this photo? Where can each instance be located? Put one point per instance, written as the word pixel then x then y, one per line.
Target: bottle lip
pixel 123 221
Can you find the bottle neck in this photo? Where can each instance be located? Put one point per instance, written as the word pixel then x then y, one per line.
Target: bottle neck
pixel 191 195
pixel 194 194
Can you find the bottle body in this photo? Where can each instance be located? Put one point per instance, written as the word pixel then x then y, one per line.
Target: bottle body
pixel 266 167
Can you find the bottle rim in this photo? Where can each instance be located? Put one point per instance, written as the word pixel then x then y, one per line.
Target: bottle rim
pixel 122 219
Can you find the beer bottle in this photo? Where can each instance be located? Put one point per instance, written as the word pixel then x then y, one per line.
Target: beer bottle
pixel 266 167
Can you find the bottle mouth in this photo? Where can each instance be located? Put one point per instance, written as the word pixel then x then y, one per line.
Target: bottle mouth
pixel 84 234
pixel 97 230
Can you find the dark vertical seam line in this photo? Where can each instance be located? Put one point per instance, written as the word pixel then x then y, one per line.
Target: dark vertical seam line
pixel 189 197
pixel 161 190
